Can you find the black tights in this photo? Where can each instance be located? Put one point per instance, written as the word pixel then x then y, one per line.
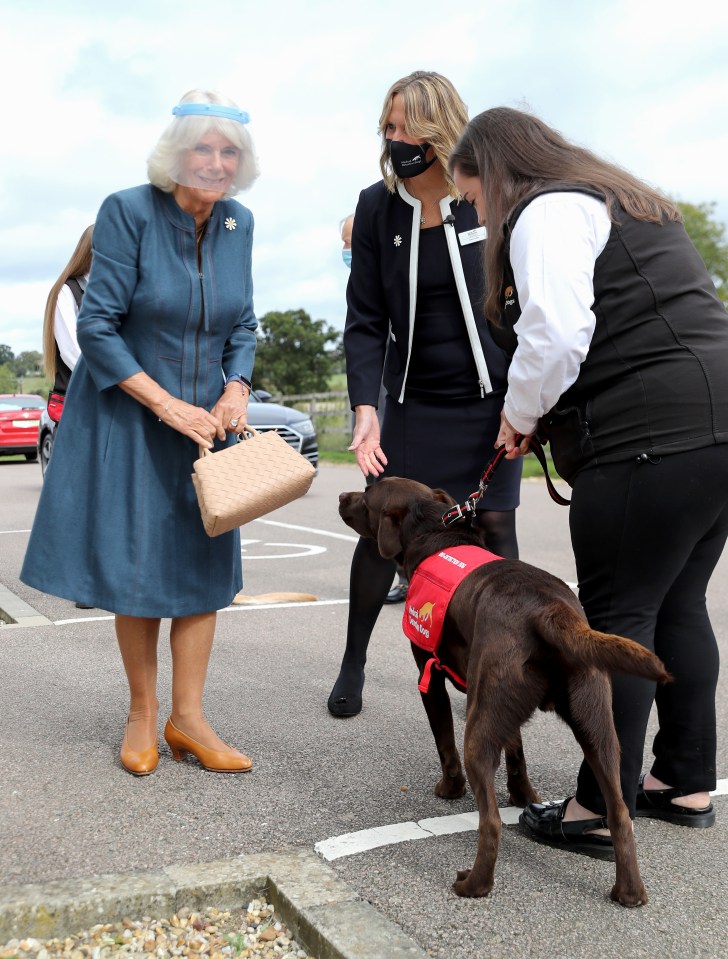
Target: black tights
pixel 369 583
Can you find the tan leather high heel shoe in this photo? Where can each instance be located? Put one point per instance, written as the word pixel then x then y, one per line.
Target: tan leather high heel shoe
pixel 138 763
pixel 211 759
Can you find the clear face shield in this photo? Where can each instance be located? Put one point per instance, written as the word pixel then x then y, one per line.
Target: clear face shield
pixel 214 151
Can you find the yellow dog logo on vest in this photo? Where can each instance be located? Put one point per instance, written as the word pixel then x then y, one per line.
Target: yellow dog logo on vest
pixel 425 613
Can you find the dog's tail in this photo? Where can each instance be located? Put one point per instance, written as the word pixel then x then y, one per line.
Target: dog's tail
pixel 562 627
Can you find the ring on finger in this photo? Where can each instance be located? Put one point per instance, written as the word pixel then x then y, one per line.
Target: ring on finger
pixel 233 423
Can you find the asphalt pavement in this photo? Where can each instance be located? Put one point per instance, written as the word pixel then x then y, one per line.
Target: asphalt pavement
pixel 69 814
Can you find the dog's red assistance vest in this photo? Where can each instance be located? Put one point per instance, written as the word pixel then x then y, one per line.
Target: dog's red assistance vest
pixel 428 596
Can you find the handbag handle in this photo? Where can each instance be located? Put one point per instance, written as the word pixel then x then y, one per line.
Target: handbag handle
pixel 241 438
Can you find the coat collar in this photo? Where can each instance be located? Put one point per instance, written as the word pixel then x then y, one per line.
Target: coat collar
pixel 413 201
pixel 179 217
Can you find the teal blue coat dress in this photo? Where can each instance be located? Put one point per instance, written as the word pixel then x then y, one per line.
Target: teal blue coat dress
pixel 118 526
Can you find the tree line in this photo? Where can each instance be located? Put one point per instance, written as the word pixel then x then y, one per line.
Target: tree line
pixel 297 354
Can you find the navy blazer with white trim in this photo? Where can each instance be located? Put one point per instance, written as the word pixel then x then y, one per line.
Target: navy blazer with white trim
pixel 381 294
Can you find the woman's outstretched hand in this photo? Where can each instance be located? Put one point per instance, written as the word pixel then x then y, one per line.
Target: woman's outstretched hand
pixel 365 442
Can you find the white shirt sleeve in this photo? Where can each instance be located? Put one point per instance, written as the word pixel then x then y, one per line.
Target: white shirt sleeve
pixel 554 246
pixel 65 325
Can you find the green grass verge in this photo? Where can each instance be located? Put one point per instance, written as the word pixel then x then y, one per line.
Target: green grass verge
pixel 337 457
pixel 531 466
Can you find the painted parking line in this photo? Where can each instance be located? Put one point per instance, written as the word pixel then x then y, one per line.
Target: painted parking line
pixel 301 550
pixel 247 608
pixel 310 529
pixel 351 843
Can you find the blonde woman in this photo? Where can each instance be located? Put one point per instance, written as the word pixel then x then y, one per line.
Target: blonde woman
pixel 415 321
pixel 167 333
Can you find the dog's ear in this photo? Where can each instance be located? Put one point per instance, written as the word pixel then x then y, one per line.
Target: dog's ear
pixel 389 540
pixel 442 497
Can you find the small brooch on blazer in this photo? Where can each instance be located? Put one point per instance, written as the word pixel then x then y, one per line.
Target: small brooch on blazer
pixel 230 223
pixel 398 240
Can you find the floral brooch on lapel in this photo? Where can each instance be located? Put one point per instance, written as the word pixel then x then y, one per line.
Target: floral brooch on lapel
pixel 230 223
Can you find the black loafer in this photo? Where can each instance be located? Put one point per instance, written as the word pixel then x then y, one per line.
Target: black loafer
pixel 398 593
pixel 344 706
pixel 657 804
pixel 544 822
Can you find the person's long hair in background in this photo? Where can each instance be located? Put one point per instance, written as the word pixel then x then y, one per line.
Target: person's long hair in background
pixel 56 325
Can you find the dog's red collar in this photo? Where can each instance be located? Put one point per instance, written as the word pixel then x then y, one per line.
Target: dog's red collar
pixel 430 591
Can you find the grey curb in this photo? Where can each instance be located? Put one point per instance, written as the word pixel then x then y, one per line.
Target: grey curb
pixel 324 914
pixel 14 611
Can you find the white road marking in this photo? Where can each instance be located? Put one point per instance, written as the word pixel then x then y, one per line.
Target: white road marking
pixel 252 606
pixel 302 549
pixel 351 843
pixel 247 608
pixel 310 529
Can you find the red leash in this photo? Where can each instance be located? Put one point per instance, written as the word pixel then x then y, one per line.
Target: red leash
pixel 471 503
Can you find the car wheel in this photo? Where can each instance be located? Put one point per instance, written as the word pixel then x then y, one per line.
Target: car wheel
pixel 31 457
pixel 46 448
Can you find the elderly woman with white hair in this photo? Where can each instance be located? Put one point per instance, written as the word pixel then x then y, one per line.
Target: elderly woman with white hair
pixel 167 334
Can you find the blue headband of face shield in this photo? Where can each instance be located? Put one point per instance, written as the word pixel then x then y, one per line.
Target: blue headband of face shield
pixel 211 110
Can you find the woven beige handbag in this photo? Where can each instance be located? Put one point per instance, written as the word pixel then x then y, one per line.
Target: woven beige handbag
pixel 248 480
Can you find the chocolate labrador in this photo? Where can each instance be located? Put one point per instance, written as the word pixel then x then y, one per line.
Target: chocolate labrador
pixel 518 638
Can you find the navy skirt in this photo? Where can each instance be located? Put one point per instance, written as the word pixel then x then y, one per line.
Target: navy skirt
pixel 448 444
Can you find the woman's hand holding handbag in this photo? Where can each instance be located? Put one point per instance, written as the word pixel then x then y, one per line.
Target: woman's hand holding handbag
pixel 245 481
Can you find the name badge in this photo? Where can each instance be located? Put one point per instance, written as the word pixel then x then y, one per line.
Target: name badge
pixel 472 236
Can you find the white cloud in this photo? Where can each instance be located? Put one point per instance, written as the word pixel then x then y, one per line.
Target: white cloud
pixel 90 86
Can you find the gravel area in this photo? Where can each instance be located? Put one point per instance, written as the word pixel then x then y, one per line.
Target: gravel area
pixel 214 934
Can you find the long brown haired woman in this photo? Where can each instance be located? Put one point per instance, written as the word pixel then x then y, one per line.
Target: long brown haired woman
pixel 620 350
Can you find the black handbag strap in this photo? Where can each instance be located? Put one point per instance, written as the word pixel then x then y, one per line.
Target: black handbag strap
pixel 75 287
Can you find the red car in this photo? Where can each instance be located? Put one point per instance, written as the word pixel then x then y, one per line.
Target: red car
pixel 19 419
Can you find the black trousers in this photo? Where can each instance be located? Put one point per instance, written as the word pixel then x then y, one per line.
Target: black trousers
pixel 646 538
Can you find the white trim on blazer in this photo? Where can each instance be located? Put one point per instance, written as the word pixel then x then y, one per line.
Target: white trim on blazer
pixel 457 268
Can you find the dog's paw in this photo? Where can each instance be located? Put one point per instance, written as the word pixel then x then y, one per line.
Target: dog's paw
pixel 629 895
pixel 467 888
pixel 523 796
pixel 451 787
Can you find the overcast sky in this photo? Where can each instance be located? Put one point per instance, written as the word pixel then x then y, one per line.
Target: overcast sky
pixel 89 87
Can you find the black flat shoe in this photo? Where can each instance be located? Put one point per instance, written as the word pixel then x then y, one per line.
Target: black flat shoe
pixel 657 804
pixel 344 706
pixel 398 593
pixel 345 698
pixel 544 822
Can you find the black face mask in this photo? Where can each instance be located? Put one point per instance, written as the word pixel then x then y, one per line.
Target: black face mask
pixel 408 159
